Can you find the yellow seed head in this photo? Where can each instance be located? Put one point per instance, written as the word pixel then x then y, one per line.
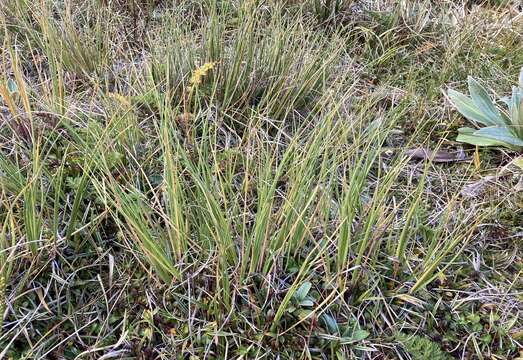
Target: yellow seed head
pixel 199 73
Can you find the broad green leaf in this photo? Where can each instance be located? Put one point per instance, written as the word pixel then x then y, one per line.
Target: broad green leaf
pixel 11 86
pixel 330 323
pixel 506 118
pixel 466 135
pixel 483 102
pixel 356 336
pixel 307 303
pixel 302 291
pixel 466 130
pixel 468 109
pixel 516 111
pixel 303 313
pixel 498 133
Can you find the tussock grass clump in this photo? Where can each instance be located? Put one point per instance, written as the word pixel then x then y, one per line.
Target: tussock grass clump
pixel 256 62
pixel 227 179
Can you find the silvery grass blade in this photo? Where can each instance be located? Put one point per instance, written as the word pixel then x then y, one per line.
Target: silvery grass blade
pixel 483 102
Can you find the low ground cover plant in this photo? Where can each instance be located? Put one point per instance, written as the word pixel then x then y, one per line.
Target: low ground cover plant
pixel 500 127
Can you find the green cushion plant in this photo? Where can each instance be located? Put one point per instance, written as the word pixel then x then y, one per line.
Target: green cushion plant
pixel 497 127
